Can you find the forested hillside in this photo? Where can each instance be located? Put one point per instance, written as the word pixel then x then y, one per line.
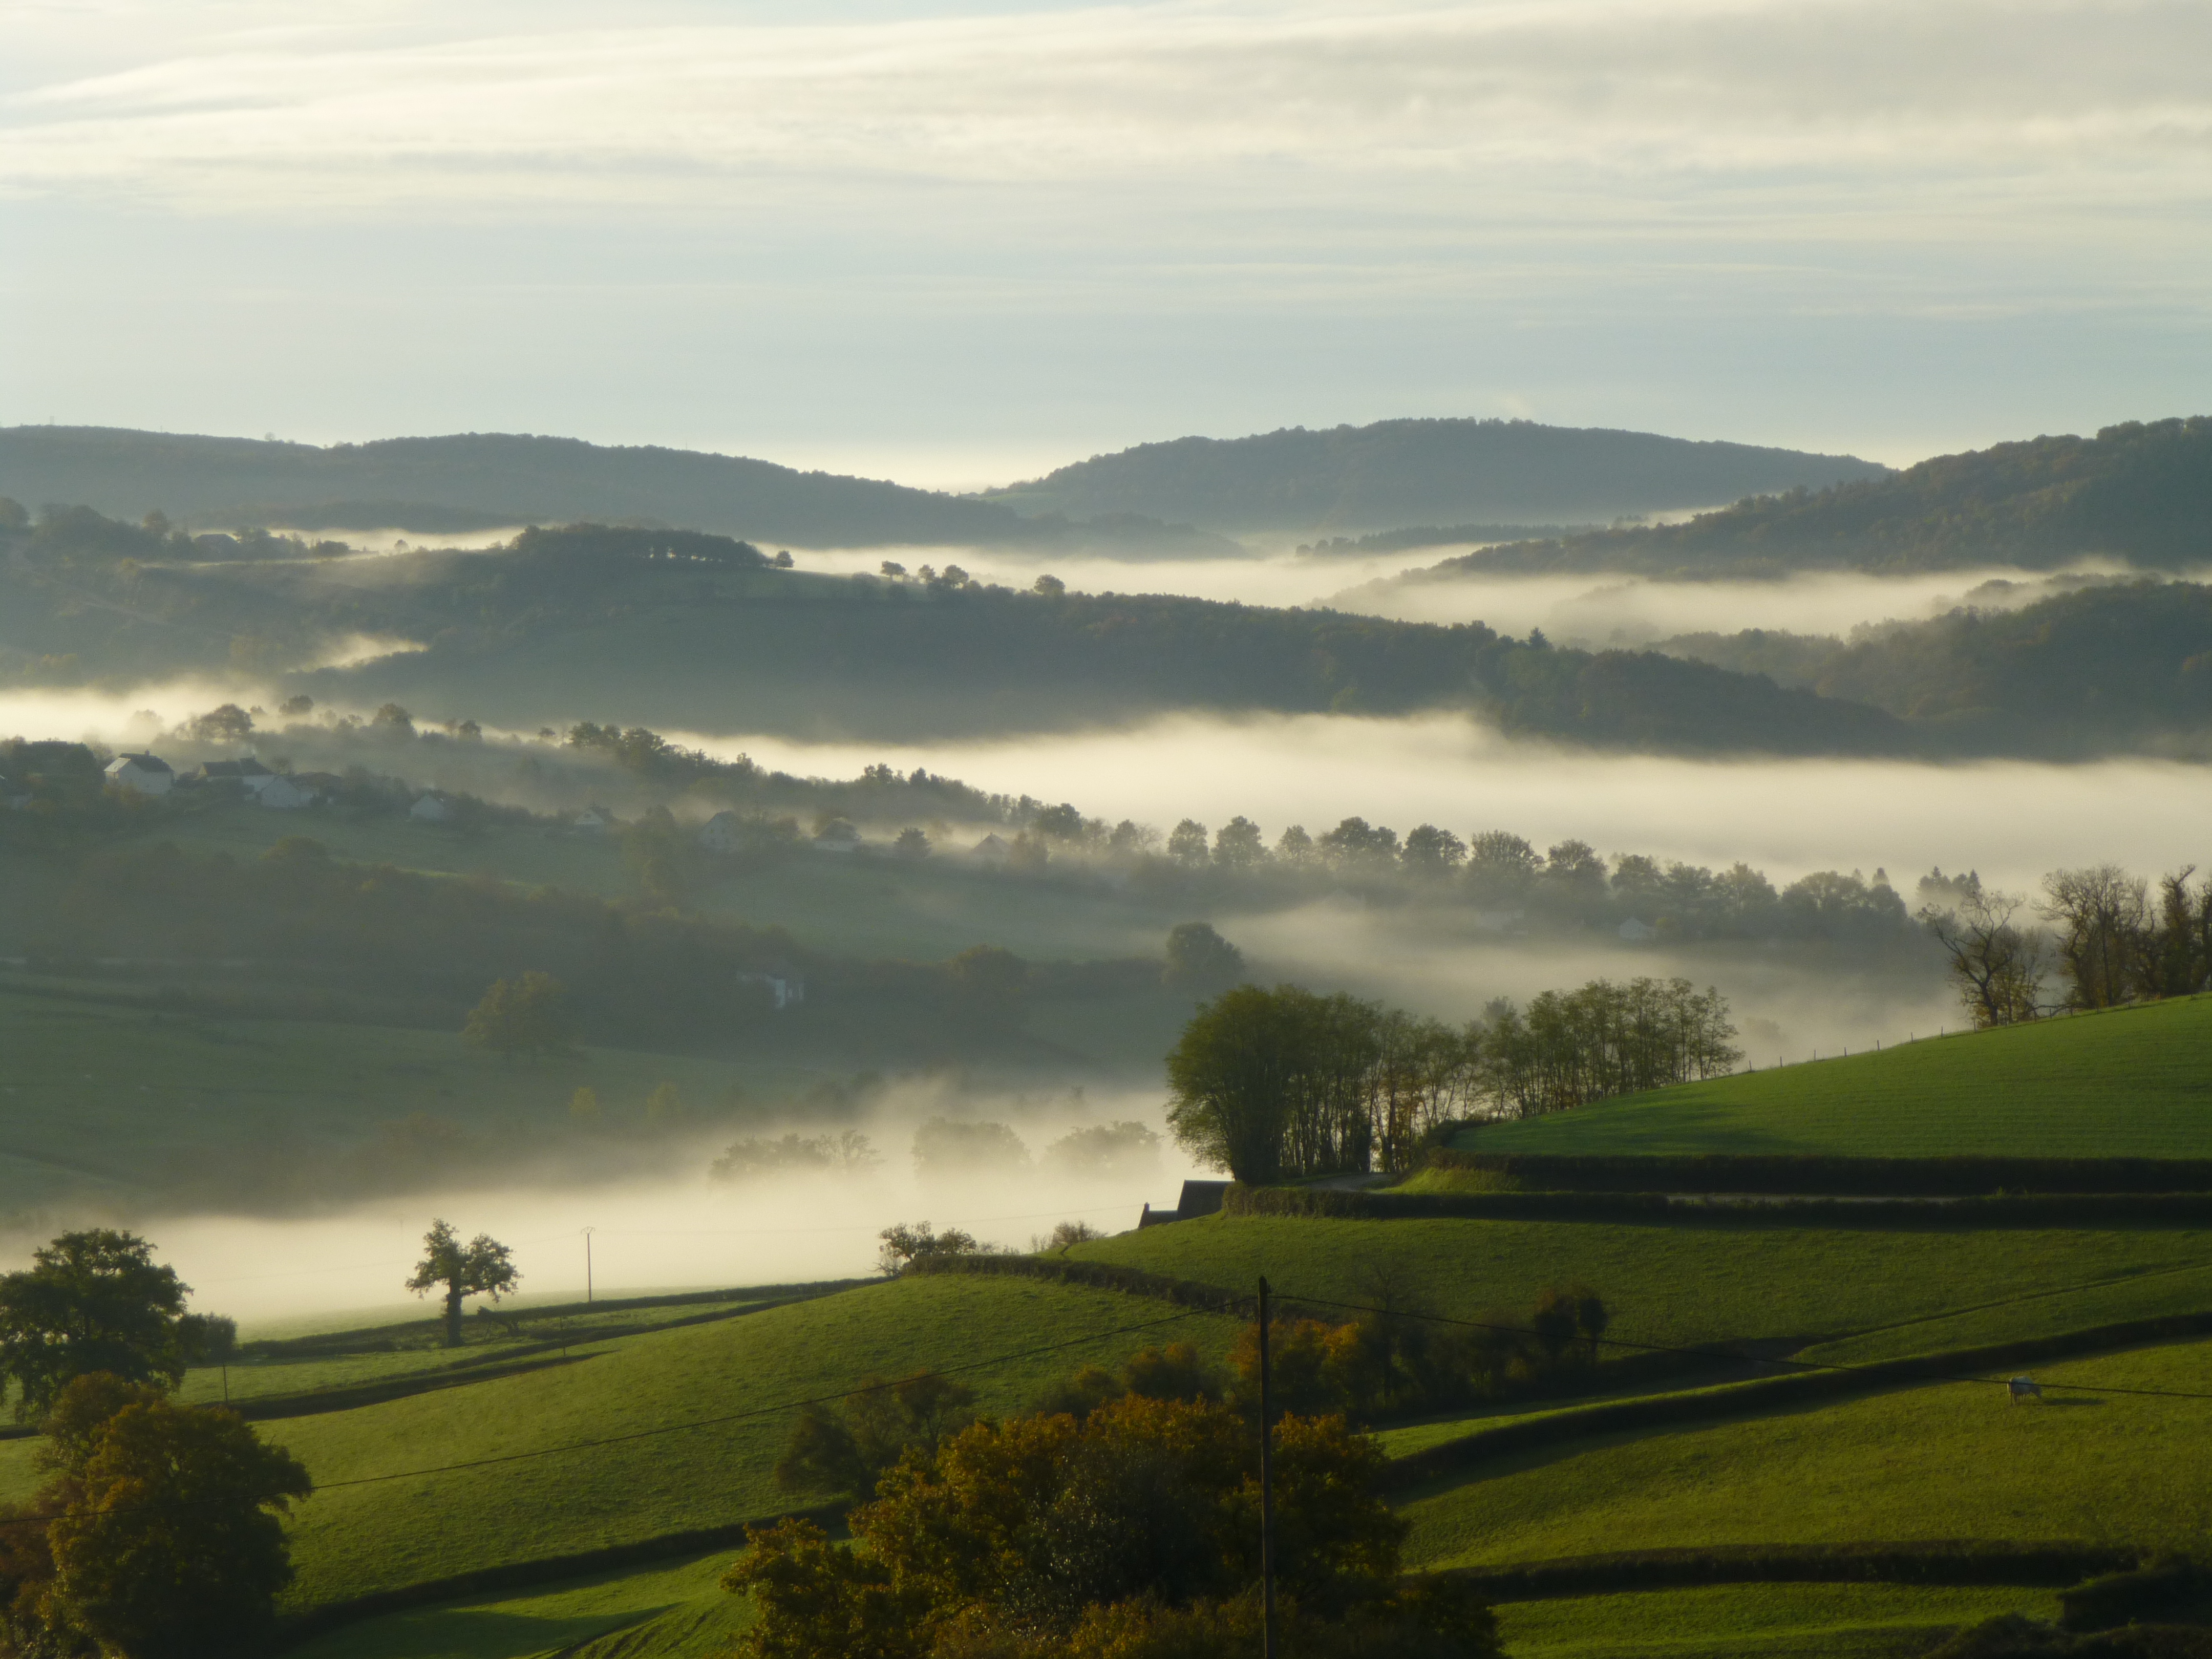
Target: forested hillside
pixel 487 480
pixel 688 631
pixel 2128 664
pixel 2140 492
pixel 1398 473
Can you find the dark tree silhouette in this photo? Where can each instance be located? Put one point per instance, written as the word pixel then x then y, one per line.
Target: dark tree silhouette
pixel 483 1267
pixel 92 1301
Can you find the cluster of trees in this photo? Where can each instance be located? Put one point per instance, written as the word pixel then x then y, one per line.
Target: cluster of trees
pixel 1130 1533
pixel 2108 937
pixel 157 1533
pixel 757 1156
pixel 1570 1047
pixel 1391 1361
pixel 1569 883
pixel 1268 1083
pixel 948 1147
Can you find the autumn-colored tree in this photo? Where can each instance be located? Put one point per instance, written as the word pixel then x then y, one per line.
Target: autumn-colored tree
pixel 166 1540
pixel 1043 1536
pixel 526 1016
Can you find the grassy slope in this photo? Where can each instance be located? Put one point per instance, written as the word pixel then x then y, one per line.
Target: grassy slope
pixel 418 1349
pixel 2128 1082
pixel 351 1540
pixel 1892 1291
pixel 1756 1621
pixel 687 1610
pixel 101 1099
pixel 1948 1460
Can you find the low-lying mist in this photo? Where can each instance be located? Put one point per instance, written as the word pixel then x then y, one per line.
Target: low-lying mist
pixel 683 1229
pixel 2011 820
pixel 1595 611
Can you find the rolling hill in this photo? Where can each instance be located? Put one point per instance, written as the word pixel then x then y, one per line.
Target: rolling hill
pixel 2140 492
pixel 653 1438
pixel 2131 1082
pixel 1402 473
pixel 470 481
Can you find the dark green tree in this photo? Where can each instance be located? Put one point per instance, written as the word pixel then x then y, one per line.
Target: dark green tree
pixel 91 1301
pixel 1199 958
pixel 1187 844
pixel 1229 1078
pixel 483 1267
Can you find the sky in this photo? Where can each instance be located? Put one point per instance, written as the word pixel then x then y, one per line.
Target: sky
pixel 958 244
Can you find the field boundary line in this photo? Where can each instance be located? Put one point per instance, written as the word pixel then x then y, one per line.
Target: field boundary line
pixel 1767 1394
pixel 296 1629
pixel 2131 1210
pixel 1963 1174
pixel 1956 1562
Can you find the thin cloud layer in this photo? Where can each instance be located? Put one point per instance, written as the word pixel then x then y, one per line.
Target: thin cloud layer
pixel 1757 108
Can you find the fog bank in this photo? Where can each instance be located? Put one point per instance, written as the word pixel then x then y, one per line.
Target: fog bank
pixel 687 1231
pixel 2012 820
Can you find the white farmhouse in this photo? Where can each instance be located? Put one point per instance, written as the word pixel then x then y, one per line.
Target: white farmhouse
pixel 432 808
pixel 837 837
pixel 992 849
pixel 1638 933
pixel 784 990
pixel 593 821
pixel 143 774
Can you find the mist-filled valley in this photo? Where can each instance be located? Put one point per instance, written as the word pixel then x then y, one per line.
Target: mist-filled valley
pixel 494 960
pixel 1029 829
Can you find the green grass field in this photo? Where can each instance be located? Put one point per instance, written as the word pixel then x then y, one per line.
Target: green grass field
pixel 109 1101
pixel 2132 1082
pixel 677 1612
pixel 349 1540
pixel 1756 1621
pixel 1884 1292
pixel 514 1335
pixel 1946 1461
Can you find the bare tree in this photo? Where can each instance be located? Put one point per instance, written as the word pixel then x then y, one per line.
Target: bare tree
pixel 1997 965
pixel 2184 963
pixel 2103 916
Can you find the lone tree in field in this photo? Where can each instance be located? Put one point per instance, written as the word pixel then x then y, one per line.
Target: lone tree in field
pixel 528 1016
pixel 92 1301
pixel 483 1267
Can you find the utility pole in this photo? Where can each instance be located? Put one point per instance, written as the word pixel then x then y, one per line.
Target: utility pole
pixel 587 1266
pixel 1267 1493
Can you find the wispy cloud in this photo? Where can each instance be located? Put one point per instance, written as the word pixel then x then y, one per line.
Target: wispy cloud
pixel 1749 107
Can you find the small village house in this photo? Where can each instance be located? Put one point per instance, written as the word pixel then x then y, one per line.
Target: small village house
pixel 143 774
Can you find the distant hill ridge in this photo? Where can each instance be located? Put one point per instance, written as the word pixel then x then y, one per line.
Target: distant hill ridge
pixel 2141 491
pixel 487 480
pixel 1398 473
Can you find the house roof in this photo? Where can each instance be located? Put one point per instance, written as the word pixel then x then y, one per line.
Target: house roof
pixel 143 763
